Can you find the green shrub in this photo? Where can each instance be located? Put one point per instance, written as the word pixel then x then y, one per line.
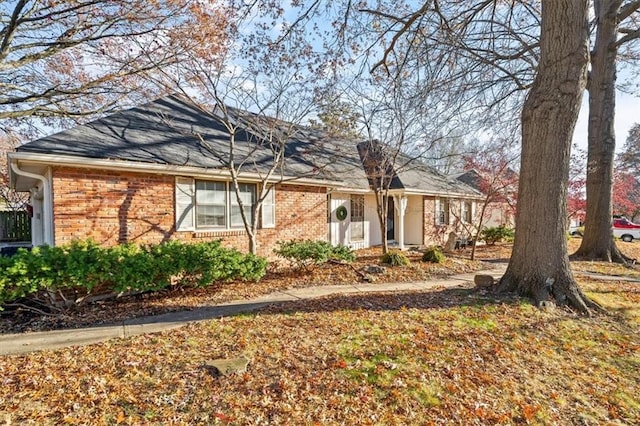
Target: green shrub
pixel 433 254
pixel 307 253
pixel 395 258
pixel 61 275
pixel 496 234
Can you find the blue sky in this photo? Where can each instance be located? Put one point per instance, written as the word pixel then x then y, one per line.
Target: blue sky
pixel 627 114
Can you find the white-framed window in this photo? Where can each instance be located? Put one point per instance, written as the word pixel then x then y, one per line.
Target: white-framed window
pixel 247 192
pixel 206 204
pixel 269 209
pixel 467 211
pixel 442 211
pixel 211 204
pixel 356 223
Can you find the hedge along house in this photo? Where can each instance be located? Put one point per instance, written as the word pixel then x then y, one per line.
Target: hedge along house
pixel 161 171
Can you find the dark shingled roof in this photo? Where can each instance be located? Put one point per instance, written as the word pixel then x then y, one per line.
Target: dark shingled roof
pixel 411 173
pixel 167 130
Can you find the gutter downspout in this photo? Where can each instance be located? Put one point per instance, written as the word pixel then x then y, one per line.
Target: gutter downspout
pixel 47 208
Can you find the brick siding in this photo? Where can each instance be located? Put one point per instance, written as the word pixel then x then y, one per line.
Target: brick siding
pixel 438 234
pixel 115 207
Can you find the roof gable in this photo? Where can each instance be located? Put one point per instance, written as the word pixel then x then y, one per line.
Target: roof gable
pixel 385 166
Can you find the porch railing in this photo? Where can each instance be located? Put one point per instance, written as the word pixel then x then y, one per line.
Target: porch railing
pixel 15 226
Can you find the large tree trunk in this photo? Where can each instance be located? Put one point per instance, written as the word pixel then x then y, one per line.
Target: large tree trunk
pixel 539 266
pixel 597 242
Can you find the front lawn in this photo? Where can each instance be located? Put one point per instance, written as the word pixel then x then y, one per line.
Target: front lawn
pixel 435 357
pixel 438 357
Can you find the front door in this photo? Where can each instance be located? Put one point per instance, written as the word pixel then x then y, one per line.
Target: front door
pixel 391 214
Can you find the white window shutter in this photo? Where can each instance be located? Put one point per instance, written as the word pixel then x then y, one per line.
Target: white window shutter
pixel 184 204
pixel 269 209
pixel 437 215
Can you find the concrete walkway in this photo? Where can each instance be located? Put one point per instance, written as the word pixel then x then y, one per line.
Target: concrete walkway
pixel 30 342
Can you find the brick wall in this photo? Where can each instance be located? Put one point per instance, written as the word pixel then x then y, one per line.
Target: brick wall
pixel 113 207
pixel 438 234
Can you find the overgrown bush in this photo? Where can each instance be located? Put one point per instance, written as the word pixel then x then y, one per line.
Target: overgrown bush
pixel 395 258
pixel 496 234
pixel 65 275
pixel 433 254
pixel 307 253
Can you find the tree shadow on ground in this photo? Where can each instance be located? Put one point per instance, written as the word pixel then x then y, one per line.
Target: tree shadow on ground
pixel 353 301
pixel 391 301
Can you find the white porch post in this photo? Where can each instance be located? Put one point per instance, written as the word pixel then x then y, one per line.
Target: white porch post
pixel 401 208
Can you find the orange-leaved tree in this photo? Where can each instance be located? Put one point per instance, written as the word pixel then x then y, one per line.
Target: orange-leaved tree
pixel 74 58
pixel 491 172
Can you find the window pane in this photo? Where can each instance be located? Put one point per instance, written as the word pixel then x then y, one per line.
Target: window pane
pixel 213 216
pixel 357 207
pixel 357 230
pixel 247 194
pixel 210 192
pixel 442 212
pixel 236 217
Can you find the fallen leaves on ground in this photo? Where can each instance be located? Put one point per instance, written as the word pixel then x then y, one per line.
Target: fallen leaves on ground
pixel 424 357
pixel 281 277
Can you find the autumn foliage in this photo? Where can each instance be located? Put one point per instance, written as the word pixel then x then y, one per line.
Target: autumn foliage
pixel 412 357
pixel 626 195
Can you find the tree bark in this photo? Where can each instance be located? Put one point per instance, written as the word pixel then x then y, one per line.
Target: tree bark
pixel 382 205
pixel 539 266
pixel 479 228
pixel 597 242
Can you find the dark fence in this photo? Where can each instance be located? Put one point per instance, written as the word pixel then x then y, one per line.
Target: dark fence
pixel 15 226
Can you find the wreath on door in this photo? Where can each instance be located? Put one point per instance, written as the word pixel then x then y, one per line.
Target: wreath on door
pixel 341 213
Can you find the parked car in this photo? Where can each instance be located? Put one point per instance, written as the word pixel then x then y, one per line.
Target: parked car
pixel 626 230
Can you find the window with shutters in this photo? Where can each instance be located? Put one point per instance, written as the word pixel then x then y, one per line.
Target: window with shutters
pixel 204 204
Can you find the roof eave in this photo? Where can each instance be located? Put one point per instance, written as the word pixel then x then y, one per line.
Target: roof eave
pixel 155 168
pixel 452 194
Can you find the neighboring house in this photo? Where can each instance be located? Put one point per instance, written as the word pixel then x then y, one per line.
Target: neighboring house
pixel 144 175
pixel 500 210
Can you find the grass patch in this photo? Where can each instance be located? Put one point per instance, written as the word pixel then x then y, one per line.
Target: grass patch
pixel 417 355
